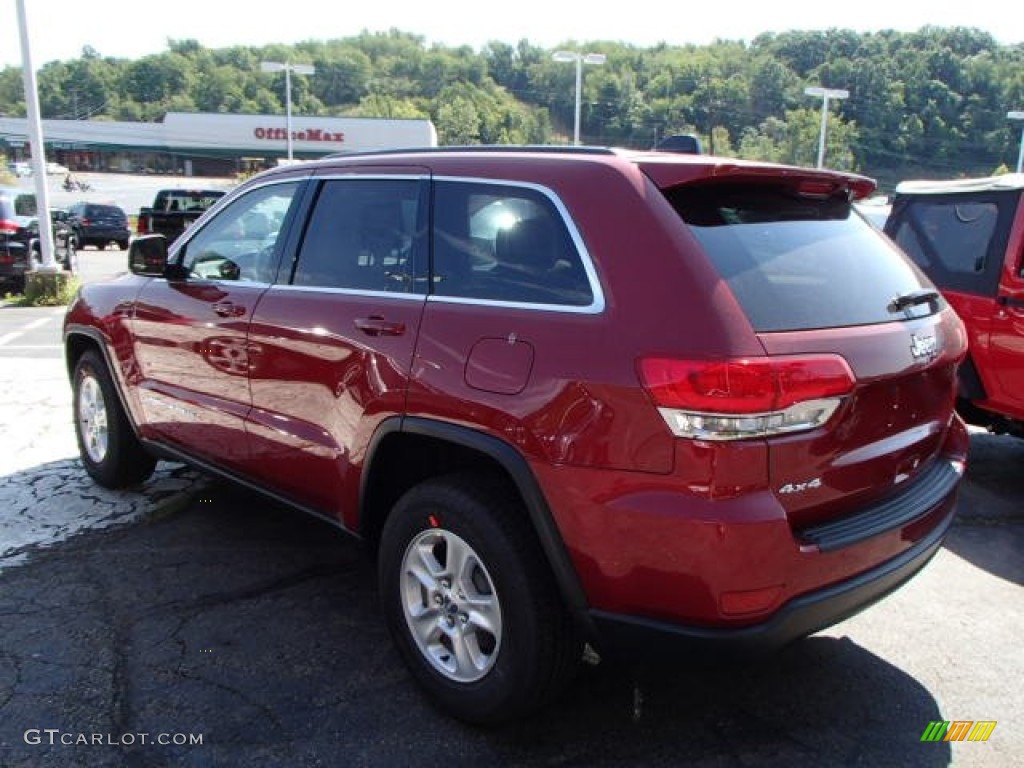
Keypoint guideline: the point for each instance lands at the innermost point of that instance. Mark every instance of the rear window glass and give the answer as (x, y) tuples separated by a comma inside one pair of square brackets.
[(958, 240), (104, 211), (798, 263), (23, 204)]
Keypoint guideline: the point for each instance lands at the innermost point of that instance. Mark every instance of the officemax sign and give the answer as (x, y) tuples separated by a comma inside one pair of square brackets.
[(309, 134)]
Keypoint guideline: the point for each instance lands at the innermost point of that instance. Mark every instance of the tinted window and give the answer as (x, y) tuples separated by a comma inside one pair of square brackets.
[(241, 242), (504, 243), (103, 212), (958, 240), (796, 262), (17, 204), (362, 236)]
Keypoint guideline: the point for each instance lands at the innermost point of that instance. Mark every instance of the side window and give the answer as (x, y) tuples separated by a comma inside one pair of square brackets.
[(362, 236), (240, 242), (504, 243)]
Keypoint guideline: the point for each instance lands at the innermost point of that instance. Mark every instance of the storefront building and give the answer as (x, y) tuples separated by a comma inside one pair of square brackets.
[(207, 144)]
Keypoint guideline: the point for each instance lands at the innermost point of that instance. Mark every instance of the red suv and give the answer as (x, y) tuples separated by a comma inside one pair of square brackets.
[(567, 396), (968, 237)]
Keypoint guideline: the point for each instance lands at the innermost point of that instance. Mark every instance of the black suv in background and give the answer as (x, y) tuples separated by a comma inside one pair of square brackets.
[(99, 225)]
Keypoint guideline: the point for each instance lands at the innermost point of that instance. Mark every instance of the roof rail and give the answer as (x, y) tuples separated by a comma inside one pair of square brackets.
[(525, 148)]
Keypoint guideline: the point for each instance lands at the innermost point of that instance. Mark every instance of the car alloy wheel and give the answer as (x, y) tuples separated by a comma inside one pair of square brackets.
[(451, 606), (92, 418), (110, 450)]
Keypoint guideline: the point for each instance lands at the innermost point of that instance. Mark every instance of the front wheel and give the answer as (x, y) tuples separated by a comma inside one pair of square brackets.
[(471, 602), (110, 451)]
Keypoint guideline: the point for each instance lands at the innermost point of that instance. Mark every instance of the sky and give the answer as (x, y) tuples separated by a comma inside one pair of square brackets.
[(59, 29)]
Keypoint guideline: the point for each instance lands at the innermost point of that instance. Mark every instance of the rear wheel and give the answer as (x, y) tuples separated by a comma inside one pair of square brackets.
[(471, 603), (110, 451)]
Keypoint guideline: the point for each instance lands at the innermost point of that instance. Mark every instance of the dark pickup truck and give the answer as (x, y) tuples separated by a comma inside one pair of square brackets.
[(174, 210)]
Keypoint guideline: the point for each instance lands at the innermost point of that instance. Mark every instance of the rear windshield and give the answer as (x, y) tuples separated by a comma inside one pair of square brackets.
[(104, 212), (24, 204), (187, 200), (798, 263)]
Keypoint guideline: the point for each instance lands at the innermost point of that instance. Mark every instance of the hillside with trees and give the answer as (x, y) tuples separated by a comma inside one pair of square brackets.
[(928, 103)]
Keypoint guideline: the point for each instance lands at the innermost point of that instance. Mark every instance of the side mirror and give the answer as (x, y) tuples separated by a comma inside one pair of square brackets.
[(147, 255)]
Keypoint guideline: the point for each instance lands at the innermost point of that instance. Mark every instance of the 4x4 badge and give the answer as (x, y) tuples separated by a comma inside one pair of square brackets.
[(923, 347)]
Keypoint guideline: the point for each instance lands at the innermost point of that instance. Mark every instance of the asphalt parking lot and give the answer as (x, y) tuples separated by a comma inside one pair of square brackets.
[(190, 609)]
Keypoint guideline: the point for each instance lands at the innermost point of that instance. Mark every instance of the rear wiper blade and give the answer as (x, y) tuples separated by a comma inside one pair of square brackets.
[(912, 299)]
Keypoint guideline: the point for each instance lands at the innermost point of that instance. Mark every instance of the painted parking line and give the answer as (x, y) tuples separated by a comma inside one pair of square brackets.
[(7, 338), (17, 347)]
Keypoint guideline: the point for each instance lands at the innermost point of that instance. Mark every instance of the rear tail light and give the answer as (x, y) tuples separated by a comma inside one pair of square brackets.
[(142, 225), (7, 225), (747, 397)]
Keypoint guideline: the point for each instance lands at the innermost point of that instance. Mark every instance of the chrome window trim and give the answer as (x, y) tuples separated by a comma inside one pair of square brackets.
[(349, 291), (597, 304)]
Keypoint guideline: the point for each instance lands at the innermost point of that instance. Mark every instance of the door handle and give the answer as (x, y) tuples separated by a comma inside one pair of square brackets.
[(228, 309), (375, 325)]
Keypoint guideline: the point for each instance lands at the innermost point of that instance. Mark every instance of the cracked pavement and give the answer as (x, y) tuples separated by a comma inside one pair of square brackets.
[(46, 495)]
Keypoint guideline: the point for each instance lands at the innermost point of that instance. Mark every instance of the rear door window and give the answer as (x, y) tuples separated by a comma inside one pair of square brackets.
[(958, 240), (796, 262)]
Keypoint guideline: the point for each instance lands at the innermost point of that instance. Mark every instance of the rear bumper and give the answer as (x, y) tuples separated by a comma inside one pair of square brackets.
[(801, 616)]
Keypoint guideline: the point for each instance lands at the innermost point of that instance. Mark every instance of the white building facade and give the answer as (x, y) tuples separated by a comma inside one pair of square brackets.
[(208, 144)]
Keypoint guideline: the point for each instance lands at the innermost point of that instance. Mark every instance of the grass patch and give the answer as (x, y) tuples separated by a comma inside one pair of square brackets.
[(49, 289)]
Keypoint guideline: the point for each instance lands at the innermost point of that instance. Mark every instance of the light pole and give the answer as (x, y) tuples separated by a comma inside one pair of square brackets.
[(35, 130), (287, 68), (580, 59), (825, 94), (1020, 155)]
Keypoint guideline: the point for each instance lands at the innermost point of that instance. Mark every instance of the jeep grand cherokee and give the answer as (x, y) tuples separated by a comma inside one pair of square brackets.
[(567, 396)]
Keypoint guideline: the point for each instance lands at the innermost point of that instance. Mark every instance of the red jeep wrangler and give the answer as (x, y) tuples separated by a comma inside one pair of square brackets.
[(968, 236), (565, 395)]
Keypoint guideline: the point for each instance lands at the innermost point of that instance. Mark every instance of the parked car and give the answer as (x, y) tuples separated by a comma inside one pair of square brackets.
[(65, 253), (19, 236), (99, 225), (175, 210), (683, 143), (707, 405), (875, 211), (20, 169), (968, 236), (17, 215)]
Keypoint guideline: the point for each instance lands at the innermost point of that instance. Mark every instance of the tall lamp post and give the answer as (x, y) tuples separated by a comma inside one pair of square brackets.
[(35, 130), (580, 59), (287, 68), (1020, 155), (825, 94)]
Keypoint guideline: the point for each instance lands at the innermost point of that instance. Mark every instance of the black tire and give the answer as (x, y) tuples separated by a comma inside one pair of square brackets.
[(123, 244), (71, 256), (110, 451), (535, 649)]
